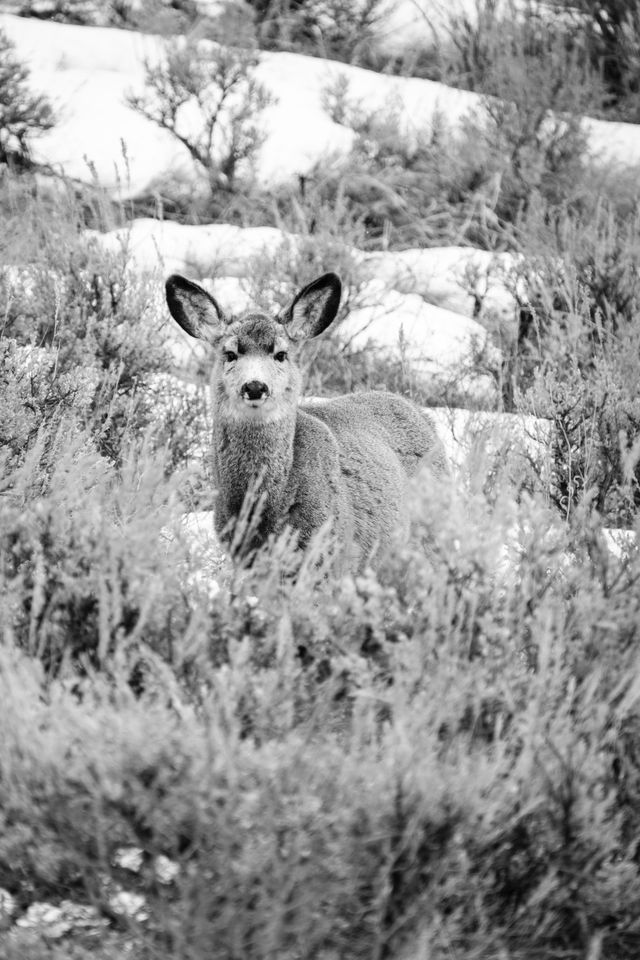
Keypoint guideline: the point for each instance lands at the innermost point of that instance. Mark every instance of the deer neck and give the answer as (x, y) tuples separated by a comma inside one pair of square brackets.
[(254, 456)]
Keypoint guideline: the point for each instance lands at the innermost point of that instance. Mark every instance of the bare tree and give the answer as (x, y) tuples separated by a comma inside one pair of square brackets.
[(23, 114), (218, 82)]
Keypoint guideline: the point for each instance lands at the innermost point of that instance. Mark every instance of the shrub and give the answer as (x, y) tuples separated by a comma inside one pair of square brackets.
[(154, 16), (606, 32), (23, 115), (81, 334), (93, 327), (65, 11), (441, 759), (325, 28), (428, 758), (77, 570), (535, 85), (436, 184), (218, 84), (576, 361), (430, 186), (166, 17), (38, 405)]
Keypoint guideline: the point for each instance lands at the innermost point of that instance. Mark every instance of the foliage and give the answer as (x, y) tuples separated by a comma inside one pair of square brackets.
[(576, 360), (154, 16), (424, 758), (65, 11), (469, 184), (347, 766), (535, 86), (606, 32), (209, 100), (326, 28), (440, 760), (23, 115), (426, 187), (75, 325)]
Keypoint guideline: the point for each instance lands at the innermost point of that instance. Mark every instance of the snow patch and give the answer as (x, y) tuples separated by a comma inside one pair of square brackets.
[(470, 436), (213, 250)]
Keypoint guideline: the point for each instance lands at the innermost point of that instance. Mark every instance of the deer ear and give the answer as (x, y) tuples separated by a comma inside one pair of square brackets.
[(314, 308), (193, 308)]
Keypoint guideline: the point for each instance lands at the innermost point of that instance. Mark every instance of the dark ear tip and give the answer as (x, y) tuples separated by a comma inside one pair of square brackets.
[(333, 280), (174, 285), (175, 280)]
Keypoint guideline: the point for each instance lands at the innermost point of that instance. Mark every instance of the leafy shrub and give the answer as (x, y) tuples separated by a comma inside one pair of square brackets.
[(440, 759), (576, 361), (606, 32), (442, 185), (526, 146), (425, 758), (166, 17), (433, 185), (66, 11), (154, 16), (77, 571), (38, 405), (23, 115), (81, 422), (95, 330), (81, 336), (325, 28)]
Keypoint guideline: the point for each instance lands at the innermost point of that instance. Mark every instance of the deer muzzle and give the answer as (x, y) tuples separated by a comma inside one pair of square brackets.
[(254, 392)]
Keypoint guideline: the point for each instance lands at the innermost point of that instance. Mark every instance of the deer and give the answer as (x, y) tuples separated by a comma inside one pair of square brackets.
[(343, 463)]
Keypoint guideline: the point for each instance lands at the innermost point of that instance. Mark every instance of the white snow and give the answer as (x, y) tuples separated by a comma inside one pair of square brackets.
[(128, 858), (473, 436), (133, 906), (201, 556), (461, 279), (434, 343), (8, 907), (418, 328), (406, 26), (621, 543), (87, 71), (199, 251), (458, 279), (132, 859)]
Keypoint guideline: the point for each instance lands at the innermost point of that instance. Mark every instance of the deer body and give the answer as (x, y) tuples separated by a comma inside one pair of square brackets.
[(344, 463)]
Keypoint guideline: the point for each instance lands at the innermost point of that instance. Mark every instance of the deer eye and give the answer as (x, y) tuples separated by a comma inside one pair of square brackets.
[(230, 356), (280, 356)]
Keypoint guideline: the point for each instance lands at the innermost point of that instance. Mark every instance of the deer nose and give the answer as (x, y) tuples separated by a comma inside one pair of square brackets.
[(255, 390)]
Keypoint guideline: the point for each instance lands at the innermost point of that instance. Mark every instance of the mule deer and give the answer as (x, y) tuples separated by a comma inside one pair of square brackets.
[(343, 462)]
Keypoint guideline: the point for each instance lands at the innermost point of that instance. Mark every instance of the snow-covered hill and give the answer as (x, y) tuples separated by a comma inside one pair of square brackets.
[(88, 71)]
